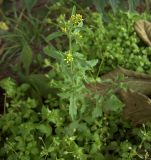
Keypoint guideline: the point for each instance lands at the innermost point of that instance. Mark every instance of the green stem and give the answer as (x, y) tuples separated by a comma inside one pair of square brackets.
[(70, 45), (70, 49), (5, 101), (100, 66)]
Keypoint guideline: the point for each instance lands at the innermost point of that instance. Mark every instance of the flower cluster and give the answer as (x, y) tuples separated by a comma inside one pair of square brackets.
[(69, 57), (67, 26), (64, 29), (3, 26), (76, 19)]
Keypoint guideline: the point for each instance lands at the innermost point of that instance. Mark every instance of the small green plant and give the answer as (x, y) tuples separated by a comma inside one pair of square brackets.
[(72, 65), (115, 43)]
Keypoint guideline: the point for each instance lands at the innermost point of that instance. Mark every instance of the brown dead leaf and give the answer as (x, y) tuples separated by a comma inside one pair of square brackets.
[(143, 29), (137, 103), (137, 106)]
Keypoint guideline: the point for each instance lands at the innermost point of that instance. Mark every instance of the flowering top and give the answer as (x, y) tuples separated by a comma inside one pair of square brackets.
[(69, 57), (76, 19), (3, 26), (64, 29)]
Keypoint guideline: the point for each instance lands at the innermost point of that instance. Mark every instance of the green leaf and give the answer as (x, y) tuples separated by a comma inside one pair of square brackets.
[(112, 103), (29, 4), (73, 107), (54, 117), (99, 156), (9, 86), (26, 56), (69, 130), (100, 5), (45, 112), (114, 5), (46, 129), (73, 10), (53, 36), (97, 112), (51, 149), (92, 63), (40, 83), (52, 52), (132, 4)]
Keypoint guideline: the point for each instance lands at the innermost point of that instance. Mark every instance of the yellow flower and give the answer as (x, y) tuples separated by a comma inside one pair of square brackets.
[(76, 19), (3, 26), (69, 57), (64, 29)]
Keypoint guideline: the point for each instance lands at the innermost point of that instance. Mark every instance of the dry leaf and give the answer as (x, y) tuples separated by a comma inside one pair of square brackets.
[(137, 105), (143, 29)]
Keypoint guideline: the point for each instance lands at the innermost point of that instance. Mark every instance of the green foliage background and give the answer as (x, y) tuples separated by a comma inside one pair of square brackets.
[(48, 111)]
